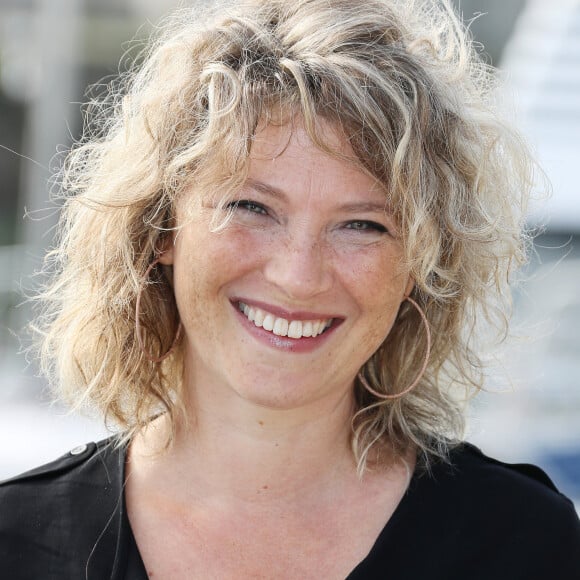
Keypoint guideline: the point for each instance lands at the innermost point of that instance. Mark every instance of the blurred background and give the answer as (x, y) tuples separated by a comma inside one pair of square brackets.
[(51, 50)]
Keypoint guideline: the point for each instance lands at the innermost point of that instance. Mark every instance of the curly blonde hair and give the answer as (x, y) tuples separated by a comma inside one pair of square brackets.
[(403, 83)]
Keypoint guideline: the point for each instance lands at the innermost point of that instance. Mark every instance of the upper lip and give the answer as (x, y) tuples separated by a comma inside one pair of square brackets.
[(284, 313)]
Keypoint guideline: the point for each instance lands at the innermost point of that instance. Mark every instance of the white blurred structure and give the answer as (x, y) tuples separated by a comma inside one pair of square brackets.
[(542, 61), (537, 417)]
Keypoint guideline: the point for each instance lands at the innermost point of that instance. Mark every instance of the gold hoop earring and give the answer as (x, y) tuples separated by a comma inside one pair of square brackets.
[(148, 355), (365, 383)]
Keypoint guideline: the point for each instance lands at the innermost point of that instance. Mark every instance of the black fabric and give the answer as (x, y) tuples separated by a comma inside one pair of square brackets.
[(474, 518), (135, 569), (66, 520)]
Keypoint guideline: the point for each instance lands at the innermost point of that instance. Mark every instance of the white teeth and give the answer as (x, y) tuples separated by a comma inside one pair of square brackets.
[(268, 323), (295, 329), (283, 327), (259, 317)]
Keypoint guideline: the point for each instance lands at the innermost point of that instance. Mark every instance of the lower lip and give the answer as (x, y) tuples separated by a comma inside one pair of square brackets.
[(305, 344)]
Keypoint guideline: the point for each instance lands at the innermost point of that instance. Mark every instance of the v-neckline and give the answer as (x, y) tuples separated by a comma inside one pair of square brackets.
[(132, 566)]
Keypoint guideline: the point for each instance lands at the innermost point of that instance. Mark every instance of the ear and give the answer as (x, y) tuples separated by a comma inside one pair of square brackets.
[(410, 286), (167, 250)]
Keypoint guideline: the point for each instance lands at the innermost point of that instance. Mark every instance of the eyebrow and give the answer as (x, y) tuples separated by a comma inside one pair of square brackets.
[(363, 206), (265, 188)]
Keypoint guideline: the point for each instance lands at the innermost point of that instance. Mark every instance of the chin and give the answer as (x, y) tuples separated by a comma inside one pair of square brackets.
[(279, 397), (275, 401)]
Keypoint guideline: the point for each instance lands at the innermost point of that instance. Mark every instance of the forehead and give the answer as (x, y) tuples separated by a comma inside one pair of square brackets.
[(272, 139), (288, 153)]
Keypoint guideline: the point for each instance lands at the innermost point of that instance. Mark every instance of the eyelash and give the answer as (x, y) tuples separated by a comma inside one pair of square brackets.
[(367, 226), (248, 205)]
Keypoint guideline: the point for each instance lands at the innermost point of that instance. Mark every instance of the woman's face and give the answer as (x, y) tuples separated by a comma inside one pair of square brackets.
[(283, 306)]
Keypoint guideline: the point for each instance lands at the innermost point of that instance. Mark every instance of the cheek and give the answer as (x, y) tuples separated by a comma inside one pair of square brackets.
[(378, 287), (376, 278), (205, 262)]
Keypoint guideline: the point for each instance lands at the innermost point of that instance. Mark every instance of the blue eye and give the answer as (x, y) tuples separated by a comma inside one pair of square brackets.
[(248, 205), (366, 226)]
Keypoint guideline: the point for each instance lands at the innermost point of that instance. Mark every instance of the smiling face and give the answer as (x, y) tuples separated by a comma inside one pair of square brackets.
[(283, 306)]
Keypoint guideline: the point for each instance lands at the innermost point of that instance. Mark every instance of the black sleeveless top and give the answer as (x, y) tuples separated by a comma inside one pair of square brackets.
[(472, 518)]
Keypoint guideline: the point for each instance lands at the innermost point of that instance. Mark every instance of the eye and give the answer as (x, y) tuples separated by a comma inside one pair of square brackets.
[(366, 226), (247, 205)]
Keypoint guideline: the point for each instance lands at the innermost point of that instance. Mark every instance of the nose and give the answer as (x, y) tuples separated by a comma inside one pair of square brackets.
[(300, 266)]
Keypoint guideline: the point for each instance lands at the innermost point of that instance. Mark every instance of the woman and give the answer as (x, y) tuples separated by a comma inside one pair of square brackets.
[(277, 251)]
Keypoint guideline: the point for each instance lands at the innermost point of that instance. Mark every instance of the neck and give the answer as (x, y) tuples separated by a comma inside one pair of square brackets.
[(236, 450)]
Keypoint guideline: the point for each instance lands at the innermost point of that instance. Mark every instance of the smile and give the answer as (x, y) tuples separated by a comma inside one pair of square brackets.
[(281, 326)]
